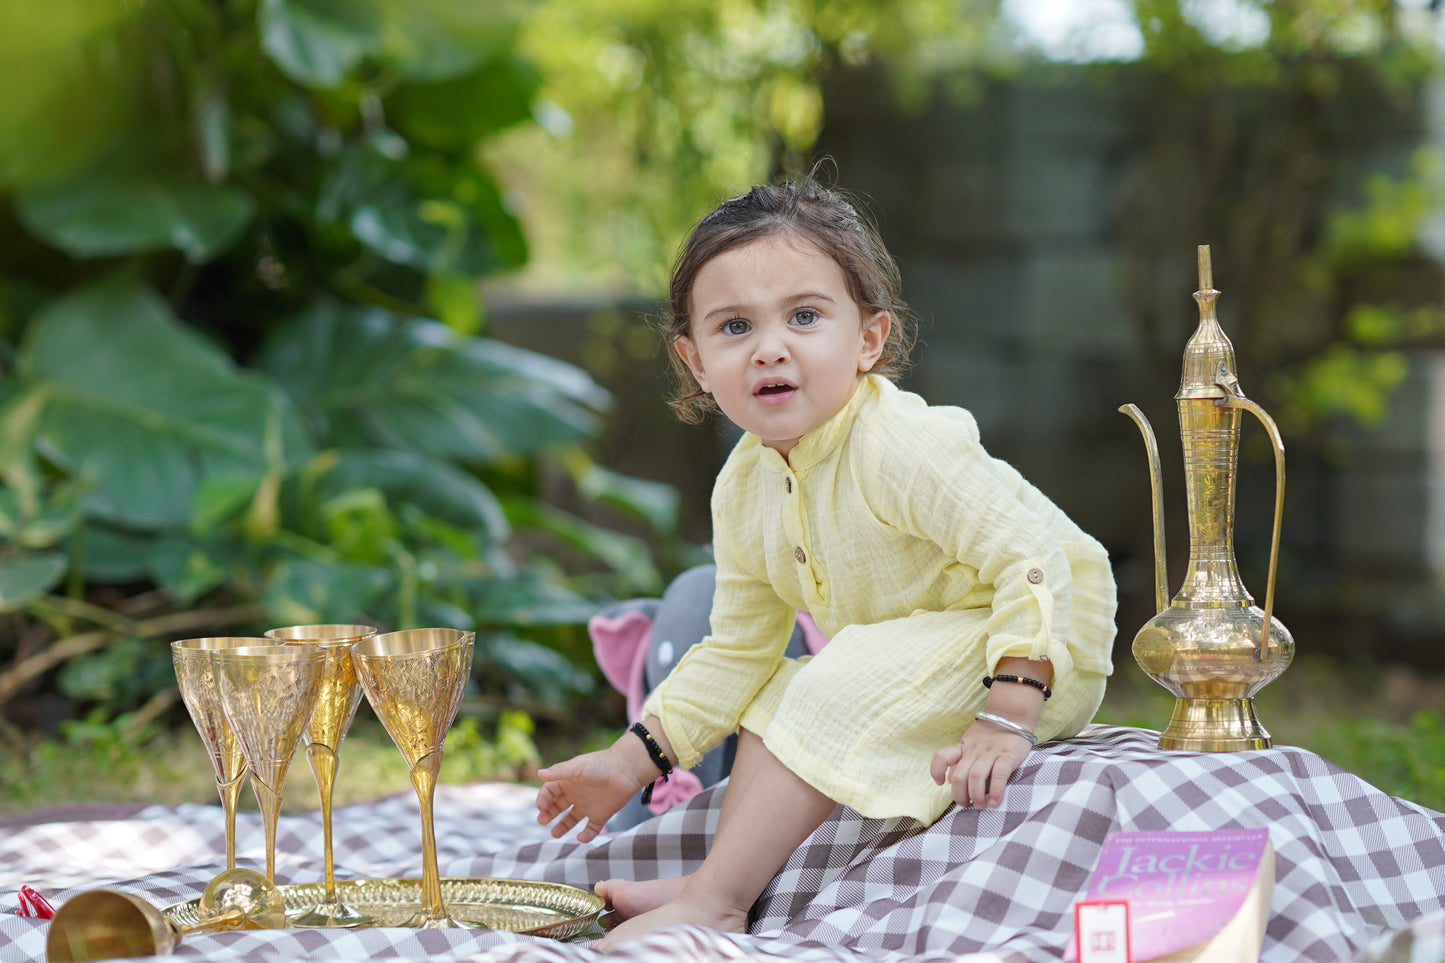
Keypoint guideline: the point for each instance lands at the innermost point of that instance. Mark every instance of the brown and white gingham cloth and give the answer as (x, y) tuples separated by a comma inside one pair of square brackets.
[(1360, 875)]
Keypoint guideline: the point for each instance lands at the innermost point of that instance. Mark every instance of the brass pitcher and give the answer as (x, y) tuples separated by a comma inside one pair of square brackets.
[(1211, 646)]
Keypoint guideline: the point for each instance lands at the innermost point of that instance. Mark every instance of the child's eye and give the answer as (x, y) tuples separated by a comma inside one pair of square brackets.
[(735, 326), (805, 317)]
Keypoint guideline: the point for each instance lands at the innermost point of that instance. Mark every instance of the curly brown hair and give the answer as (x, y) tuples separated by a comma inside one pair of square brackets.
[(819, 215)]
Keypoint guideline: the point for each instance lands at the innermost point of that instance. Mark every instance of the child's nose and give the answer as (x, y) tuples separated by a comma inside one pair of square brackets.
[(772, 348)]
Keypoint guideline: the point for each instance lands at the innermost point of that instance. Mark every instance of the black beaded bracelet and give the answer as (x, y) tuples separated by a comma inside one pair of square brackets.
[(659, 758), (989, 680)]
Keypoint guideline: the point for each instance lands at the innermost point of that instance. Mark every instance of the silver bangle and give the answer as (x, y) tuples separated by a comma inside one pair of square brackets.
[(1010, 725)]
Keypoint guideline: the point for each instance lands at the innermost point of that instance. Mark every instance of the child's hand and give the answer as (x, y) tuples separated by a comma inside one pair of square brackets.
[(979, 766), (591, 786)]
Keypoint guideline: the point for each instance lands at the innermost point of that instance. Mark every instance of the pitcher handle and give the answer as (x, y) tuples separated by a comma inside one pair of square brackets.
[(1235, 398), (1156, 497)]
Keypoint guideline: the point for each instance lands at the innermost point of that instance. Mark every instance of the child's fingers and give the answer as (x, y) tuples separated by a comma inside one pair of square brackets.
[(944, 760), (590, 831), (564, 824), (1002, 770), (978, 783)]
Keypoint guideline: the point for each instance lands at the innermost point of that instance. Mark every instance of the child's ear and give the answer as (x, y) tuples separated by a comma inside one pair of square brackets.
[(875, 336), (687, 351)]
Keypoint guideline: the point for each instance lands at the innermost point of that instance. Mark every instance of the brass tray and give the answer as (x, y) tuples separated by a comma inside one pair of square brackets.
[(529, 907)]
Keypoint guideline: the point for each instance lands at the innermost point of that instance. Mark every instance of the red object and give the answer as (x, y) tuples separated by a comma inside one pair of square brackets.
[(33, 904), (1101, 931)]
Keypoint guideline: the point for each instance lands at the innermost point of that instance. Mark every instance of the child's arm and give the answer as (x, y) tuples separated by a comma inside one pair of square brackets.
[(988, 755), (595, 785)]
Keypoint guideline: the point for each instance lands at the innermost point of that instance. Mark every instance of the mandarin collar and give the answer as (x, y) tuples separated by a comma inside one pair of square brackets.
[(822, 440)]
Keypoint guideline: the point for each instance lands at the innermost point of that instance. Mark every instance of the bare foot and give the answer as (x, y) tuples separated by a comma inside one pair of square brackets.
[(628, 898), (676, 913)]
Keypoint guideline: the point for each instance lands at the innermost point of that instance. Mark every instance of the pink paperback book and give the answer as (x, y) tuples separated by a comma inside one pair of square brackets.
[(1190, 895)]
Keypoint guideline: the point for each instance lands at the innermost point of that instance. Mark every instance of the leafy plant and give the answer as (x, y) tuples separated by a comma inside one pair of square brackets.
[(242, 373), (1406, 760), (650, 113)]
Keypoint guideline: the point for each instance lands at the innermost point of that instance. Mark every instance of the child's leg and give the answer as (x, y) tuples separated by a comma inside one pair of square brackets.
[(767, 813), (631, 898)]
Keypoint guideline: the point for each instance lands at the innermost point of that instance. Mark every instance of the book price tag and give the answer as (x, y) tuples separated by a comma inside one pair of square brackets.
[(1101, 931)]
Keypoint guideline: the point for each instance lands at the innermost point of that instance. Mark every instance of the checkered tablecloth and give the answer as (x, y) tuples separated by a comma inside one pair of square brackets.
[(1360, 875)]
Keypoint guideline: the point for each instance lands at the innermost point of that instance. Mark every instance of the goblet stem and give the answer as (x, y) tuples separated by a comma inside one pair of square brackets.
[(270, 803), (225, 920), (330, 911), (323, 766), (424, 780), (230, 793)]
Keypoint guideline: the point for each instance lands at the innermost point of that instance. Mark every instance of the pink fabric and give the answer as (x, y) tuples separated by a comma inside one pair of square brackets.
[(620, 647), (680, 787), (813, 637)]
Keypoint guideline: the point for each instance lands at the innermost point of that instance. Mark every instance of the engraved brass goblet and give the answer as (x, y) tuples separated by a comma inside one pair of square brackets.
[(104, 924), (336, 702), (268, 693), (197, 682), (414, 681)]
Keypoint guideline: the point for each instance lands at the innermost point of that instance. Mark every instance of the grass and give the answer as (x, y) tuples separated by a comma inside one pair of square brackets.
[(96, 762), (1378, 722)]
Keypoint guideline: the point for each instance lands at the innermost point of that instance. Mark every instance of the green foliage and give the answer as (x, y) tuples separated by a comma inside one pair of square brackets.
[(114, 759), (240, 349), (98, 756), (655, 109), (472, 754), (1251, 144), (1404, 760), (1354, 374)]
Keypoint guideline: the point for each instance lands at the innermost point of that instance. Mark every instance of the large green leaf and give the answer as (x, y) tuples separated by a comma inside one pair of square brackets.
[(654, 502), (108, 216), (42, 521), (366, 379), (184, 568), (435, 40), (528, 600), (318, 42), (625, 554), (26, 577), (458, 113), (124, 672), (439, 489), (144, 408), (545, 671), (303, 591), (115, 555), (433, 217)]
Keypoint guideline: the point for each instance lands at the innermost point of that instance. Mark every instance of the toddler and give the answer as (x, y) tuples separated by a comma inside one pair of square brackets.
[(968, 617)]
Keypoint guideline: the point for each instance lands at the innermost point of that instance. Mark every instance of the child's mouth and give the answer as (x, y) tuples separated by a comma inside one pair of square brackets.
[(774, 393)]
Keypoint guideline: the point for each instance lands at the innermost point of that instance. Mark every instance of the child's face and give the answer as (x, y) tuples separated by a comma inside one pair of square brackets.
[(777, 339)]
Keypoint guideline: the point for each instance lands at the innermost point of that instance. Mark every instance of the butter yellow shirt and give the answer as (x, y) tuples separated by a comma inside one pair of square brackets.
[(924, 560)]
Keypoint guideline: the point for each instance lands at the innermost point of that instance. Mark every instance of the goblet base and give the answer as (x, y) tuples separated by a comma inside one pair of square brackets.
[(421, 921), (331, 914)]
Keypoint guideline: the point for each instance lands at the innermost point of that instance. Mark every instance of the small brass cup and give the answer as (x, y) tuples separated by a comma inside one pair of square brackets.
[(105, 924)]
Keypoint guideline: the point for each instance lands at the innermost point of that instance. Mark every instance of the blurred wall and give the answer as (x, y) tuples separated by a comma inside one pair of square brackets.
[(1004, 214)]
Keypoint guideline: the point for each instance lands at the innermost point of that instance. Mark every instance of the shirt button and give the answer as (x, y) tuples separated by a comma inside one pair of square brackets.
[(800, 555), (790, 485), (1036, 575)]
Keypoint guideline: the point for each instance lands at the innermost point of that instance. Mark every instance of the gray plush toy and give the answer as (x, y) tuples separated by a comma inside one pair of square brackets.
[(638, 642)]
